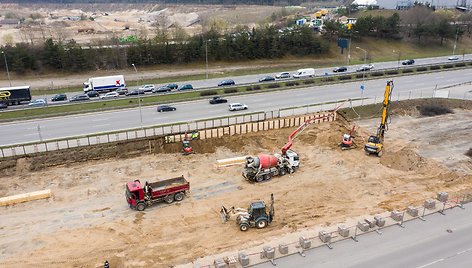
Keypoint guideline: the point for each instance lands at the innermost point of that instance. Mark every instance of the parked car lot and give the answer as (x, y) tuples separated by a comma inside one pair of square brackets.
[(185, 87), (408, 62), (59, 97), (340, 69), (218, 99), (227, 82), (80, 97), (237, 106), (267, 78), (108, 95), (37, 103), (282, 75), (165, 108)]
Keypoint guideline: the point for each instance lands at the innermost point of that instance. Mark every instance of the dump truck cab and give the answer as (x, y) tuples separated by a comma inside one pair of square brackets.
[(134, 193)]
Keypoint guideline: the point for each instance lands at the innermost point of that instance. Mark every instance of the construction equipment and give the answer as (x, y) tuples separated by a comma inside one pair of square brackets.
[(186, 148), (264, 167), (139, 197), (347, 142), (375, 143), (255, 216)]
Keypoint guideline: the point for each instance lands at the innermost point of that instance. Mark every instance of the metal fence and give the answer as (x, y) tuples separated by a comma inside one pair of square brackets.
[(211, 123)]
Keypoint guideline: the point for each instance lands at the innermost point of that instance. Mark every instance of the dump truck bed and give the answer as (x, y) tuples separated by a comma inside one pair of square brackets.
[(169, 186)]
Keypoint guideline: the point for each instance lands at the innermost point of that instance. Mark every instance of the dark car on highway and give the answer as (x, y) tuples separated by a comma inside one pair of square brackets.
[(228, 82), (165, 108), (185, 87), (122, 91), (59, 97), (162, 89), (408, 62), (267, 78), (80, 97), (135, 92), (340, 69), (218, 99), (172, 86), (92, 94)]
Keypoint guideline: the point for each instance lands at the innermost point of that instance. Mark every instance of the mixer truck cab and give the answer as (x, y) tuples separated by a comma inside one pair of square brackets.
[(293, 158)]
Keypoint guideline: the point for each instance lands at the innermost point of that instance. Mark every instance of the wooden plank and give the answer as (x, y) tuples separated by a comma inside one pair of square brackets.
[(231, 161), (20, 198)]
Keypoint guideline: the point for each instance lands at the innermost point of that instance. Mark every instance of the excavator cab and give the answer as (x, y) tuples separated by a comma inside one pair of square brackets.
[(255, 216)]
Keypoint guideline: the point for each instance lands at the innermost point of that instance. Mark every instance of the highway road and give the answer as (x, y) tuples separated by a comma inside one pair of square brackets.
[(440, 241), (66, 126), (250, 79)]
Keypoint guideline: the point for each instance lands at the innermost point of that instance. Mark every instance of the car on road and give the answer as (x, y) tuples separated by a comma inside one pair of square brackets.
[(340, 69), (267, 78), (165, 108), (227, 82), (237, 106), (80, 97), (185, 87), (59, 97), (92, 94), (162, 89), (37, 103), (282, 75), (365, 68), (218, 99), (147, 88), (453, 58), (172, 86), (3, 105), (135, 92), (408, 62), (108, 95), (122, 91)]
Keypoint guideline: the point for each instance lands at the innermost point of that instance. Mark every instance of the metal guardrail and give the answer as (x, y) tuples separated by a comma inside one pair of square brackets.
[(202, 124)]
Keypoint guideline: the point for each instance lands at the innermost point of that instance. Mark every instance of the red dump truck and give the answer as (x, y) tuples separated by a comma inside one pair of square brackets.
[(139, 196)]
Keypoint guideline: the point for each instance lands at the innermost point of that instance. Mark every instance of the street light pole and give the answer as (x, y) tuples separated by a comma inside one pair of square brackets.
[(363, 75), (398, 59), (349, 50), (139, 96), (6, 66), (206, 59)]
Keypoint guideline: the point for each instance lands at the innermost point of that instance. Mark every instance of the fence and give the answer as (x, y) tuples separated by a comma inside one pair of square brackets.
[(178, 129)]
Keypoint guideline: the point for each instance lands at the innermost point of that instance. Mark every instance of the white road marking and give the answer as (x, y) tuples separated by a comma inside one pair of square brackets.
[(431, 263)]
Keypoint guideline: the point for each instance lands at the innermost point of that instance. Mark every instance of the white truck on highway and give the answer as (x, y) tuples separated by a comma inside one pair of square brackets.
[(304, 73), (105, 83)]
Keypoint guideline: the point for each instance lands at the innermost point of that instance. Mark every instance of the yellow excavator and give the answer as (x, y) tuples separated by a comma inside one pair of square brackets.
[(375, 143)]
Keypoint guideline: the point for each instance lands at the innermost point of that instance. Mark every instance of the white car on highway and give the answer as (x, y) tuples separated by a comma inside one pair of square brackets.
[(237, 106), (147, 88), (110, 95)]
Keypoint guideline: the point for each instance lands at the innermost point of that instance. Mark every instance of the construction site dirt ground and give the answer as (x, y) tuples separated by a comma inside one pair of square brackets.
[(88, 220)]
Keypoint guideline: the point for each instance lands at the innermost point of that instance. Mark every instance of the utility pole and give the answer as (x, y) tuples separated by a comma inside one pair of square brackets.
[(206, 59), (363, 75), (6, 66), (139, 96)]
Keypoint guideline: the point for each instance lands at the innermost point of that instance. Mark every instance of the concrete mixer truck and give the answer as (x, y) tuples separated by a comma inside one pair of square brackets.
[(265, 166)]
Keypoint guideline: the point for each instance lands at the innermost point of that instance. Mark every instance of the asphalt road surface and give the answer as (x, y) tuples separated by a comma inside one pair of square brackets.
[(67, 126), (440, 241), (319, 72)]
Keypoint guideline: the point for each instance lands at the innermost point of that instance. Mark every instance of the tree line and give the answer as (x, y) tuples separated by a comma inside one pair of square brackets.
[(261, 43)]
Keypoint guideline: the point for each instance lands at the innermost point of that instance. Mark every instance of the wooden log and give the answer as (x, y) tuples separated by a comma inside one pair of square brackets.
[(20, 198)]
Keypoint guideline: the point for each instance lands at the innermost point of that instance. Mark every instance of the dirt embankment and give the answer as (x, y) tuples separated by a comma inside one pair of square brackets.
[(330, 186)]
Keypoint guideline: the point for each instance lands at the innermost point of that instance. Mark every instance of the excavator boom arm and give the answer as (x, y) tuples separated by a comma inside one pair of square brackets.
[(385, 110)]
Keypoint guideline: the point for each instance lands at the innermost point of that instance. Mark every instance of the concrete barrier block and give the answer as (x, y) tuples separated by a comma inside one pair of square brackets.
[(379, 221), (442, 197), (363, 226), (412, 211), (269, 252), (324, 236), (283, 249), (243, 259), (396, 215), (343, 231), (220, 263), (231, 261), (371, 223), (429, 204), (305, 243)]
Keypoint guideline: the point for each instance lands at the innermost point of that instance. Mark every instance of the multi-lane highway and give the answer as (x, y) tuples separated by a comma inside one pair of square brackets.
[(27, 131), (440, 241), (249, 79)]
